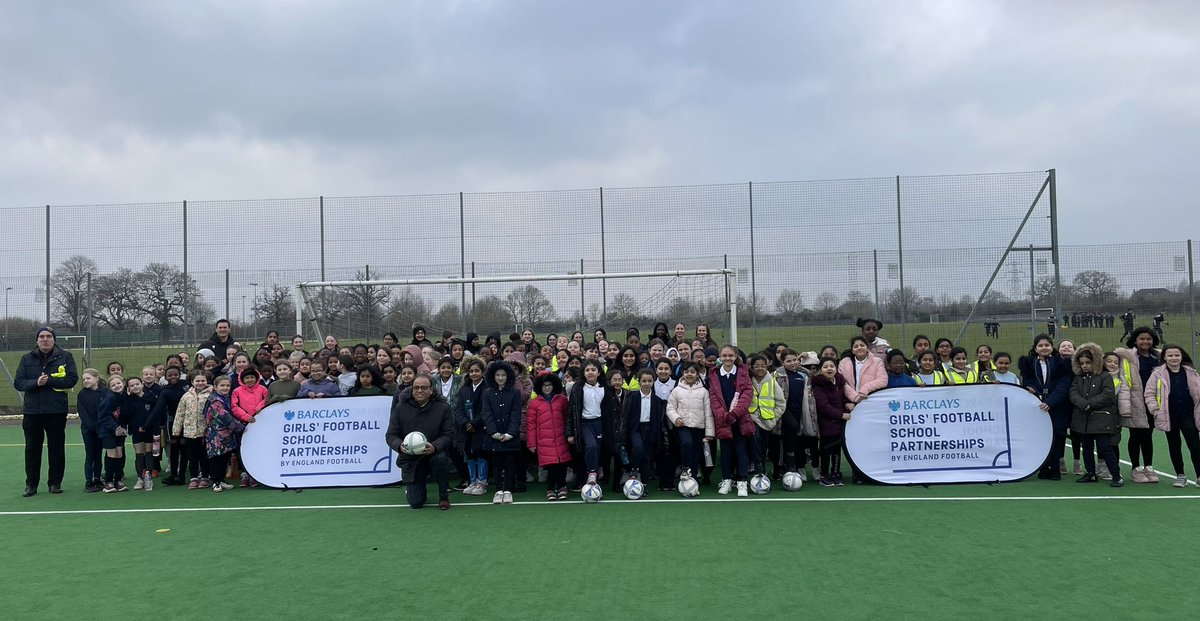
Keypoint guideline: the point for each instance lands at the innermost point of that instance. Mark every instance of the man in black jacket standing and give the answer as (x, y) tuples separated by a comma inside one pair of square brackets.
[(419, 408), (220, 341), (45, 375)]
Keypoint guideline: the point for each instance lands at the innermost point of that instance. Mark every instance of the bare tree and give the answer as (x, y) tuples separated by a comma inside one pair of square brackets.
[(447, 317), (826, 302), (116, 299), (365, 303), (623, 308), (914, 304), (1095, 286), (275, 306), (790, 303), (529, 306), (161, 292), (409, 307), (68, 286), (489, 314)]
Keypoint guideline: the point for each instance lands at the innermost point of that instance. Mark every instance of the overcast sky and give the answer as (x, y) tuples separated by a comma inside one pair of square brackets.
[(147, 101)]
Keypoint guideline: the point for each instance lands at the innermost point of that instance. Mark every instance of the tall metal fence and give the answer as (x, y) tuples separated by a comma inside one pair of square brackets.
[(955, 251)]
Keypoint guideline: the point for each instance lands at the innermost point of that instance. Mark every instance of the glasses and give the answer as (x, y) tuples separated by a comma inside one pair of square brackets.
[(415, 387)]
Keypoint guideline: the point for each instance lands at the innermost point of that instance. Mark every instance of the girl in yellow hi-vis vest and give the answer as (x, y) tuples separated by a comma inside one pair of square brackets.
[(929, 370), (767, 406), (959, 372)]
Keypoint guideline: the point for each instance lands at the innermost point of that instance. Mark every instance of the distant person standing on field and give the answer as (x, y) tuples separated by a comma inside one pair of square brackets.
[(45, 375), (1127, 324)]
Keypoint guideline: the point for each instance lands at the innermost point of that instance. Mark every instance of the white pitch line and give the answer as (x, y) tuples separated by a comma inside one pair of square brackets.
[(543, 503)]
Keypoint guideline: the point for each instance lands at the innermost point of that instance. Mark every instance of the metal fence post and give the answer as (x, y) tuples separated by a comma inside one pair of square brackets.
[(753, 275), (227, 293), (462, 262), (1032, 298), (603, 264), (187, 289), (321, 216), (900, 249), (47, 265), (1054, 244), (1192, 295), (875, 261), (582, 303)]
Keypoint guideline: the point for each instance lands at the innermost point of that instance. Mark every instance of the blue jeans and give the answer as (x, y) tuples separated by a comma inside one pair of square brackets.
[(592, 434), (735, 447)]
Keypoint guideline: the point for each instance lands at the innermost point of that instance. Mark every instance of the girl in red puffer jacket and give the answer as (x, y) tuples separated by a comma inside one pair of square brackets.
[(546, 432)]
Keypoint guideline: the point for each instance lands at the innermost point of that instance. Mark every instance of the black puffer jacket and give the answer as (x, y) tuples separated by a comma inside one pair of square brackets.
[(1093, 396), (59, 364)]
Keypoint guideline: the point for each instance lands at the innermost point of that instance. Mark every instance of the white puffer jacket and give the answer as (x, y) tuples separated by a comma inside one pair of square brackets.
[(691, 403)]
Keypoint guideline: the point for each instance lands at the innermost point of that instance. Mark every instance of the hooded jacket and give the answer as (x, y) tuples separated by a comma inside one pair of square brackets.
[(218, 346), (432, 419), (502, 408), (1158, 394), (830, 397), (418, 357), (739, 409), (59, 364), (1130, 373), (801, 412), (189, 416), (469, 411), (546, 424), (1093, 396), (874, 377), (768, 421), (692, 404)]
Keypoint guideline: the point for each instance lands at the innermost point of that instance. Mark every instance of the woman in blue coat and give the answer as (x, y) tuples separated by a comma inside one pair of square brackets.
[(1048, 377), (502, 427)]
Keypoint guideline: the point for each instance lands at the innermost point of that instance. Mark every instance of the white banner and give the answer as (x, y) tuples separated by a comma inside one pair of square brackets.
[(336, 442), (949, 434)]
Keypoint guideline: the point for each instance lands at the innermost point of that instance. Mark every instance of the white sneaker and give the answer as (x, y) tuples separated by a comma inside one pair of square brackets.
[(498, 498), (141, 483), (1180, 481), (742, 489), (802, 477), (725, 486), (1102, 472), (508, 498), (217, 489), (474, 489)]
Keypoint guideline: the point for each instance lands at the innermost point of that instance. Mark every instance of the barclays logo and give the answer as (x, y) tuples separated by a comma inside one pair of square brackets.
[(289, 415), (894, 406)]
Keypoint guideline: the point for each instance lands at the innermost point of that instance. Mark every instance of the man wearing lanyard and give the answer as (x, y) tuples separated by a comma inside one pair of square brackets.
[(45, 375)]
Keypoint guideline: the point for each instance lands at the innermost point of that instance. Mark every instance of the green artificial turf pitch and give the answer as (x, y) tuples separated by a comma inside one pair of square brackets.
[(1034, 548)]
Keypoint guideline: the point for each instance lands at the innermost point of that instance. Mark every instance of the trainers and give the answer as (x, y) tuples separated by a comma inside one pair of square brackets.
[(217, 488), (1151, 475), (1087, 478), (121, 487), (824, 482), (1138, 476), (245, 482), (141, 483), (498, 498), (725, 486), (508, 498), (1180, 481), (91, 488), (109, 488), (1117, 482), (1076, 467), (528, 477), (838, 480), (802, 476), (1062, 465), (562, 493), (1102, 472), (591, 478), (205, 482), (194, 483), (742, 489)]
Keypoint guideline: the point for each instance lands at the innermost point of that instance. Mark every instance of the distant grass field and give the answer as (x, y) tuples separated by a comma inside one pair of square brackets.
[(1014, 338), (1024, 550)]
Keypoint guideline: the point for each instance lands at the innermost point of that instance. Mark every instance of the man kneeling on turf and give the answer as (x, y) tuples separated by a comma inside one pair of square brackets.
[(419, 408)]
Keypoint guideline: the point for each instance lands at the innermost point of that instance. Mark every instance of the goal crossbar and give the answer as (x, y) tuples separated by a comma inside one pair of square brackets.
[(729, 275)]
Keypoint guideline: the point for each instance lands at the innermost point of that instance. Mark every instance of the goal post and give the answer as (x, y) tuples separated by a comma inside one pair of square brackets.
[(699, 295)]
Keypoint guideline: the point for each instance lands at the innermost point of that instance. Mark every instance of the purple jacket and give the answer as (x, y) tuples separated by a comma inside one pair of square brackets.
[(831, 404)]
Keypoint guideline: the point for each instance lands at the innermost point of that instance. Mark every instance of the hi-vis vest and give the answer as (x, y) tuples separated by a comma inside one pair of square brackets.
[(953, 377), (939, 378), (764, 399)]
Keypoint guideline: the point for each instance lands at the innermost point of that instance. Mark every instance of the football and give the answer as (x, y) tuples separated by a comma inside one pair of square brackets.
[(634, 489), (792, 481), (591, 492), (688, 487), (414, 442), (760, 483)]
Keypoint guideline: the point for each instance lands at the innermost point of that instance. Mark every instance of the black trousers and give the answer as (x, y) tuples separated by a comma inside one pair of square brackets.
[(1141, 446), (50, 429), (416, 490), (556, 477), (642, 444), (217, 466), (1099, 443), (93, 453), (194, 458), (1175, 447)]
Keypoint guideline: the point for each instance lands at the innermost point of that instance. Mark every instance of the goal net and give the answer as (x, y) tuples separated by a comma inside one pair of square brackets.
[(365, 310)]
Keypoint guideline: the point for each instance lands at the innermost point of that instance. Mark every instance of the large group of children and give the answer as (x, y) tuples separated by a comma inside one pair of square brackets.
[(595, 410)]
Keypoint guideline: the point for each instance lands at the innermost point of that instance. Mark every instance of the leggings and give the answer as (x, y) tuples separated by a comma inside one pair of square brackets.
[(1076, 445), (556, 476), (217, 466), (504, 465), (831, 456), (193, 458), (1093, 443), (1175, 448), (93, 450), (1141, 444)]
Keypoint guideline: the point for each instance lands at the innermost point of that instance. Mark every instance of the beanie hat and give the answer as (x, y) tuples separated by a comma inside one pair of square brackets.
[(44, 329)]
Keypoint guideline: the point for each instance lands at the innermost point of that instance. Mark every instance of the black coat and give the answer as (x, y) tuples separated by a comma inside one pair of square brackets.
[(59, 364), (469, 410), (88, 405), (432, 419), (633, 415), (610, 413)]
